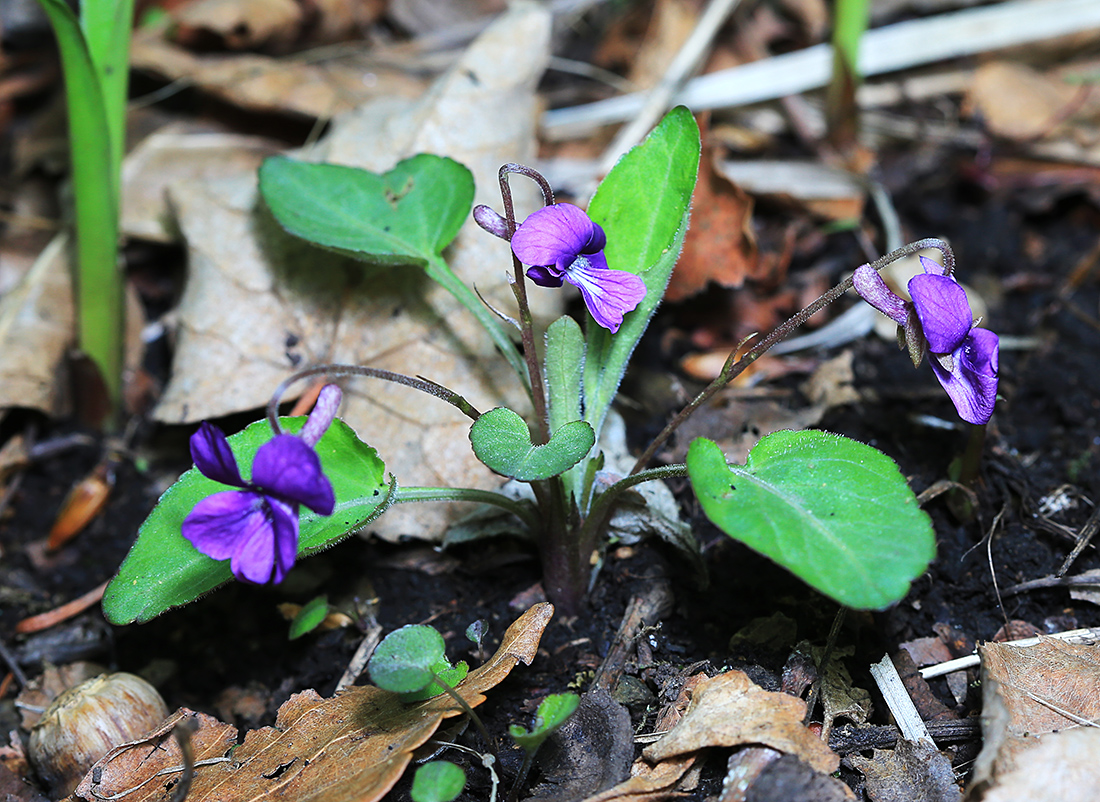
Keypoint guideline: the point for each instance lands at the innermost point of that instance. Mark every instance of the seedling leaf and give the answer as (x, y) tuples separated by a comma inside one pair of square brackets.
[(502, 441), (444, 672), (309, 617), (405, 660), (552, 713), (836, 513), (438, 781)]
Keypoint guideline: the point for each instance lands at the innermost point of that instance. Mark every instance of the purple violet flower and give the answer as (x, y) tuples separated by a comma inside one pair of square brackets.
[(257, 527), (561, 243), (964, 358)]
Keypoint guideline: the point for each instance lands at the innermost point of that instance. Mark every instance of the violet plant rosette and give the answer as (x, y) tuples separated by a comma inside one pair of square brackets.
[(256, 527), (561, 244), (963, 356)]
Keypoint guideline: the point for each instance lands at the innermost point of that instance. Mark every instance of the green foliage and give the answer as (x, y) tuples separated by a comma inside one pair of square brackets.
[(836, 513), (312, 614), (438, 781), (406, 216), (643, 206), (405, 659), (95, 51), (564, 368), (442, 672), (552, 713), (163, 570), (501, 440)]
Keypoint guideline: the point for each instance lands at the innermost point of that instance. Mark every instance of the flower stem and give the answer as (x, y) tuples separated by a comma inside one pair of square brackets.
[(519, 289), (520, 509), (418, 383), (735, 367)]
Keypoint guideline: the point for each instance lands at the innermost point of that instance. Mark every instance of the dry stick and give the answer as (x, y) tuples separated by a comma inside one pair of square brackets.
[(1085, 636), (37, 623), (13, 664), (1084, 537), (659, 98)]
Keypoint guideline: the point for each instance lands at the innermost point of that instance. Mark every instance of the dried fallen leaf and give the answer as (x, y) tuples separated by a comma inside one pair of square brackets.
[(240, 24), (350, 748), (1064, 766), (1018, 102), (913, 771), (259, 304), (720, 246), (1029, 692), (730, 710), (265, 84), (36, 329)]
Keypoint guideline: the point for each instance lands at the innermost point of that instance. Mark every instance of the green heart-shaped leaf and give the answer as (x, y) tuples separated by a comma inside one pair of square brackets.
[(503, 442), (836, 513), (406, 216)]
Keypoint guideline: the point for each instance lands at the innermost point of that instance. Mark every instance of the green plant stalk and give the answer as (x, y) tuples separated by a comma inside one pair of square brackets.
[(94, 55), (849, 25), (406, 495)]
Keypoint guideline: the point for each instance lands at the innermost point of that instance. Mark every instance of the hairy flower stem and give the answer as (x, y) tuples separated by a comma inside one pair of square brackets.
[(735, 367), (419, 383), (519, 289), (520, 509)]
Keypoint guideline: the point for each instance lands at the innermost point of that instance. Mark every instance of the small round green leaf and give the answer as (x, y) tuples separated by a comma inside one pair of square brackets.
[(502, 441), (438, 781), (404, 660), (309, 617), (836, 513), (444, 672)]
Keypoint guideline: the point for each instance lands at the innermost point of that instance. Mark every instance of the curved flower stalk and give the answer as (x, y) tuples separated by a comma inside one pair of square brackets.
[(256, 527), (939, 320), (561, 244)]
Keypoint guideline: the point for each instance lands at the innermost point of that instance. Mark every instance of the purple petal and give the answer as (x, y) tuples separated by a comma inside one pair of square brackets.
[(324, 411), (553, 235), (932, 267), (971, 384), (608, 294), (213, 456), (285, 521), (218, 522), (597, 240), (288, 468), (871, 288), (943, 311), (545, 276)]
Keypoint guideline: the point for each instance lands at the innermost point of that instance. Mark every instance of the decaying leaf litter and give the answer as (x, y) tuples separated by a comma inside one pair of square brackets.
[(999, 157)]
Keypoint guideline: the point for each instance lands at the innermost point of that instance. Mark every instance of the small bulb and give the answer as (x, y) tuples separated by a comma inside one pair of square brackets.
[(85, 722)]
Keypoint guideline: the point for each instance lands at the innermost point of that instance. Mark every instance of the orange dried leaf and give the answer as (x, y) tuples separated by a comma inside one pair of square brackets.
[(350, 748), (84, 502), (720, 245)]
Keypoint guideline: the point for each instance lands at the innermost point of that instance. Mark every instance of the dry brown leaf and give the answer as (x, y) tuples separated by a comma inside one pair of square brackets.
[(1064, 766), (240, 24), (180, 153), (1029, 692), (36, 330), (911, 772), (265, 84), (669, 27), (720, 245), (350, 748), (1021, 103), (649, 783), (731, 710), (259, 304)]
